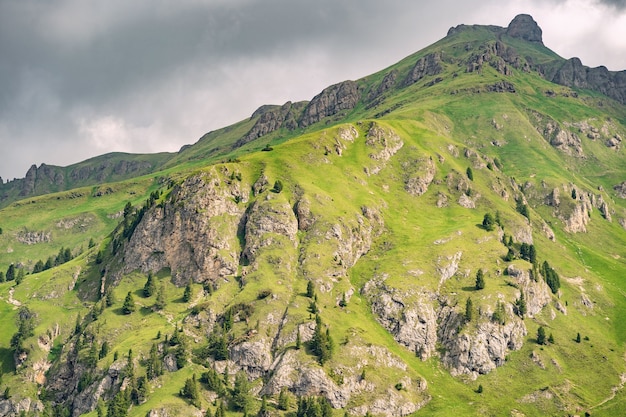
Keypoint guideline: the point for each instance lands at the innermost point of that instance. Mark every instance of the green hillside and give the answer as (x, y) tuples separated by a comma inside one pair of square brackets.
[(446, 236)]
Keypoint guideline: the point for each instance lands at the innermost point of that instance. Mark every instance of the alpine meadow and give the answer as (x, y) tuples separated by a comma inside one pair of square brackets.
[(444, 237)]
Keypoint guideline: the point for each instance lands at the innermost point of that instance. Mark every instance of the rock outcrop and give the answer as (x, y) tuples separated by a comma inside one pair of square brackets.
[(383, 143), (523, 26), (331, 101), (428, 65), (272, 118), (574, 74), (195, 232), (620, 189), (422, 320)]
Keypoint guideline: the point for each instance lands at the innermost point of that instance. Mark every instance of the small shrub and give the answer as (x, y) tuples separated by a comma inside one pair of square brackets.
[(263, 294)]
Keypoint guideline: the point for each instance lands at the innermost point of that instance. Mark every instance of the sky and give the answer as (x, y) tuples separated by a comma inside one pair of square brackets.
[(82, 78)]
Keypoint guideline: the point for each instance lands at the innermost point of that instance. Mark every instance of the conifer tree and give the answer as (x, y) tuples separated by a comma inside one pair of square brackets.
[(150, 287), (541, 336), (129, 304), (480, 280), (469, 310)]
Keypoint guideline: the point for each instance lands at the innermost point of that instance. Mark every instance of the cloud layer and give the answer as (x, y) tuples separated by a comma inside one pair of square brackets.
[(78, 79)]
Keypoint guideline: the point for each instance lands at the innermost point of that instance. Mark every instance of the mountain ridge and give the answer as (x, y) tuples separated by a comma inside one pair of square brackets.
[(444, 236), (340, 97)]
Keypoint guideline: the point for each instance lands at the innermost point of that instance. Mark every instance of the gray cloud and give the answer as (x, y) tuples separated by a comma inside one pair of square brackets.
[(79, 78)]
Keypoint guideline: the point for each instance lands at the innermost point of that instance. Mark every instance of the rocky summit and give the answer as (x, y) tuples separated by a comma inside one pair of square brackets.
[(446, 236)]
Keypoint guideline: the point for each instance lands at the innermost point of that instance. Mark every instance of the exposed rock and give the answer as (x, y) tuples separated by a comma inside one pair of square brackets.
[(523, 26), (387, 83), (255, 358), (303, 214), (331, 101), (32, 238), (418, 175), (428, 65), (564, 140), (384, 143), (260, 184), (413, 326), (194, 233), (442, 200), (536, 293), (620, 189), (523, 234), (574, 74), (272, 118), (268, 223), (467, 202), (501, 87), (547, 231), (482, 350), (603, 207)]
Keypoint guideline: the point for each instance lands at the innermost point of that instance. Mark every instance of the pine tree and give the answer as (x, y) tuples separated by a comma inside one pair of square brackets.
[(150, 287), (160, 302), (188, 293), (190, 391), (264, 410), (520, 303), (541, 336), (578, 337), (470, 174), (321, 344), (480, 280), (10, 275), (283, 399), (469, 310), (488, 222), (298, 339), (551, 339), (242, 398), (129, 304), (154, 365), (310, 289), (104, 350)]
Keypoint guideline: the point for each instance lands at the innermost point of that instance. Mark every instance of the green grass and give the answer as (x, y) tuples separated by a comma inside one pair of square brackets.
[(343, 249)]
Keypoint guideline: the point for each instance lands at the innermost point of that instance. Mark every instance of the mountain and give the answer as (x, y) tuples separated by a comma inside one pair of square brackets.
[(444, 236)]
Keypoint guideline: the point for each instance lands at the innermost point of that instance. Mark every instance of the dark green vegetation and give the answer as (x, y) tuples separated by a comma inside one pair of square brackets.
[(442, 237)]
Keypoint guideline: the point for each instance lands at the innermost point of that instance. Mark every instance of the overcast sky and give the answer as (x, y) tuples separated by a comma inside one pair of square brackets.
[(81, 78)]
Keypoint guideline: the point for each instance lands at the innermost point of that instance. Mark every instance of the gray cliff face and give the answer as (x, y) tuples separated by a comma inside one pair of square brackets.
[(431, 64), (523, 26), (270, 222), (331, 101), (272, 118), (574, 74), (482, 349), (194, 233)]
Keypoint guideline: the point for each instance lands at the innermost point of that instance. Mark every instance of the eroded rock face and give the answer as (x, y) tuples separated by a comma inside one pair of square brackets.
[(418, 175), (332, 100), (482, 350), (254, 358), (562, 139), (272, 118), (431, 64), (523, 26), (194, 233), (536, 293), (384, 143), (270, 222), (574, 74)]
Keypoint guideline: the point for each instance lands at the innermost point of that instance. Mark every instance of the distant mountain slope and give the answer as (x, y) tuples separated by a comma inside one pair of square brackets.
[(444, 237)]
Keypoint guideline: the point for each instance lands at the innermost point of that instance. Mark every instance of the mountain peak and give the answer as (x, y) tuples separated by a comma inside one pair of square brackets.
[(523, 26)]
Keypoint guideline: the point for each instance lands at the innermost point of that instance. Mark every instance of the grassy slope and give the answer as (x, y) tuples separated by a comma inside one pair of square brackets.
[(434, 120)]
